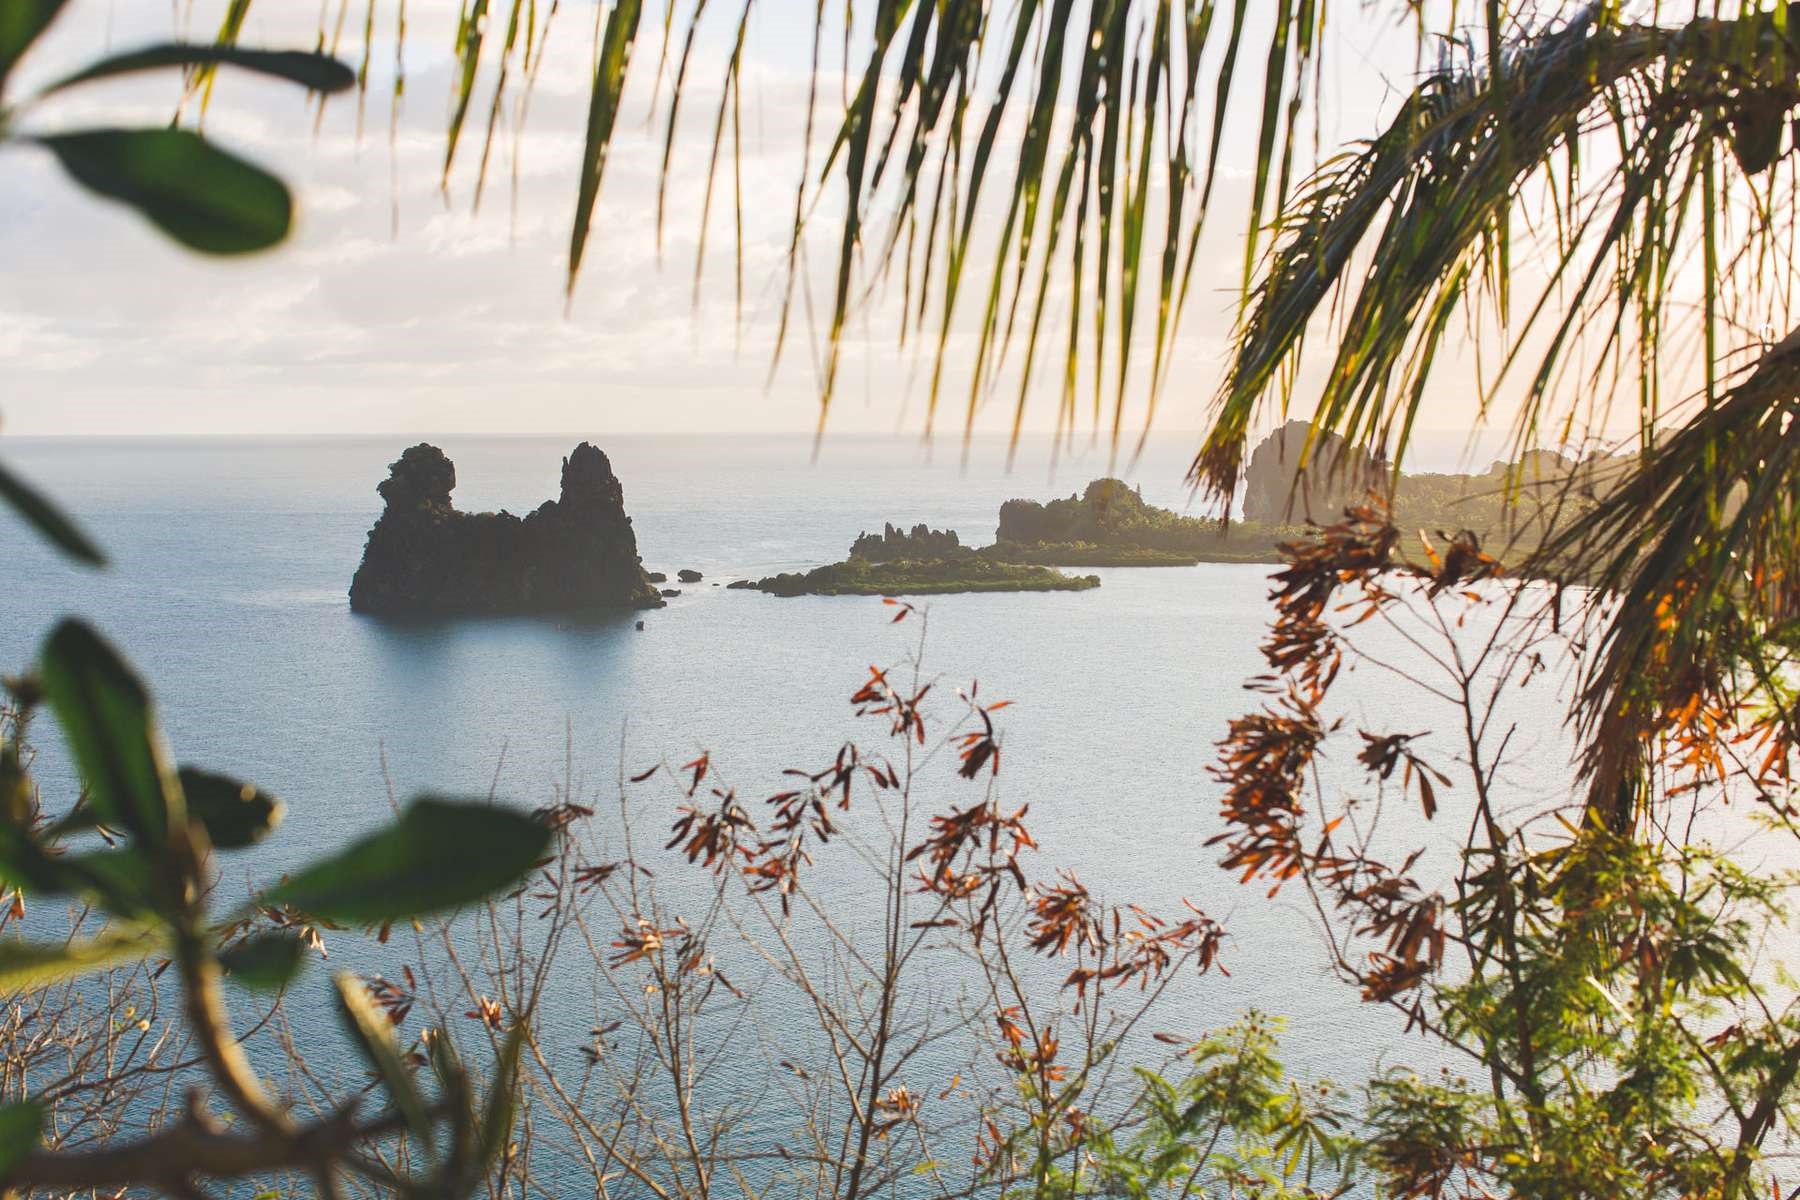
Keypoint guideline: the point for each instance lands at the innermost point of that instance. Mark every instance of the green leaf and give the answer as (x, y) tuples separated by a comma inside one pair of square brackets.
[(106, 715), (264, 962), (316, 72), (439, 855), (49, 522), (603, 112), (374, 1036), (454, 1090), (24, 865), (26, 966), (199, 195), (235, 814), (121, 881), (21, 21), (21, 1125)]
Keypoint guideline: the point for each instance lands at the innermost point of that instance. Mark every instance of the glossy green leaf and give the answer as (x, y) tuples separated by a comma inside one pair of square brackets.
[(21, 21), (106, 715), (236, 814), (203, 197), (264, 962), (21, 1126), (25, 966), (317, 72), (49, 521), (374, 1036), (439, 855)]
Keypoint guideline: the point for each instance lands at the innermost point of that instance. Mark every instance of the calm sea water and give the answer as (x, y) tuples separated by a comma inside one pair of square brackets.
[(232, 558)]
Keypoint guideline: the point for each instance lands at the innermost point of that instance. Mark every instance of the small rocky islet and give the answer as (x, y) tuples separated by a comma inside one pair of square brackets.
[(579, 553), (424, 557)]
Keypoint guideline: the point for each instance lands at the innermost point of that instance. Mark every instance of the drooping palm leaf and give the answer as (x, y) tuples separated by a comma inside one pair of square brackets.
[(920, 142)]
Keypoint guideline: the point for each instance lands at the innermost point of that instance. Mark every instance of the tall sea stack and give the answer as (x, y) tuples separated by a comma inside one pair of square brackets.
[(575, 553), (1277, 491)]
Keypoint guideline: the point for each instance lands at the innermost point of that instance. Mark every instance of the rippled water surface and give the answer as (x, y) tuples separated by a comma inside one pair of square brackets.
[(231, 561)]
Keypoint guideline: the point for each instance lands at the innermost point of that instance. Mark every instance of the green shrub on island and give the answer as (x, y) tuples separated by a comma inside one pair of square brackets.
[(1108, 513), (1086, 554), (966, 571)]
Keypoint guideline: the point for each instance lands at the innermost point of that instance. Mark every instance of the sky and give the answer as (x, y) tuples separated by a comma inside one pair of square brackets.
[(400, 306)]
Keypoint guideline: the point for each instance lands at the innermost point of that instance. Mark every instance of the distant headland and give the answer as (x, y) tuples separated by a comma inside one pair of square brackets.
[(575, 553), (579, 552)]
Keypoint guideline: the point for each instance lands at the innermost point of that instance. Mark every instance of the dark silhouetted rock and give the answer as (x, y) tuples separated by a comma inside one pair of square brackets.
[(689, 575), (657, 577), (671, 592), (575, 552), (741, 585)]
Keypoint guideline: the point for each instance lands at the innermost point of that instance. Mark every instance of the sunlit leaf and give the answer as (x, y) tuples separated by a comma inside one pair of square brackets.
[(374, 1036), (25, 966), (603, 113), (497, 1121)]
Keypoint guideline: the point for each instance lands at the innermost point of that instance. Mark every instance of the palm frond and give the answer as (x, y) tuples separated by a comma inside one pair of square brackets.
[(1697, 552)]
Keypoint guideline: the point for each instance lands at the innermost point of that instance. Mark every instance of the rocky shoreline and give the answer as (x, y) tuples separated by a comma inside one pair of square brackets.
[(579, 553)]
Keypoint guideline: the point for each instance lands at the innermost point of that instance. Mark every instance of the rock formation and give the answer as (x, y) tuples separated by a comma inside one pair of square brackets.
[(424, 557), (893, 544), (1336, 475)]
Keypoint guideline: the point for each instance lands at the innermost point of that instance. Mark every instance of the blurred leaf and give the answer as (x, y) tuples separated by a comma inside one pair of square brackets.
[(235, 814), (264, 962), (439, 854), (199, 195), (316, 72), (106, 715), (21, 1125), (21, 21), (453, 1082), (25, 866), (120, 880), (50, 523), (374, 1036), (497, 1122), (25, 966)]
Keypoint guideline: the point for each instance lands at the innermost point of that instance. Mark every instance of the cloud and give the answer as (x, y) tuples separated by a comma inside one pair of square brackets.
[(400, 306)]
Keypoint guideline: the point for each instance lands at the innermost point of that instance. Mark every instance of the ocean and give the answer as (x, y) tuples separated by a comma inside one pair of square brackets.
[(230, 564)]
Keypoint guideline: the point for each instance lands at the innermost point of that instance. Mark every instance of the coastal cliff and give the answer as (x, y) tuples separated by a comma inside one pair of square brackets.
[(573, 553), (1277, 491)]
